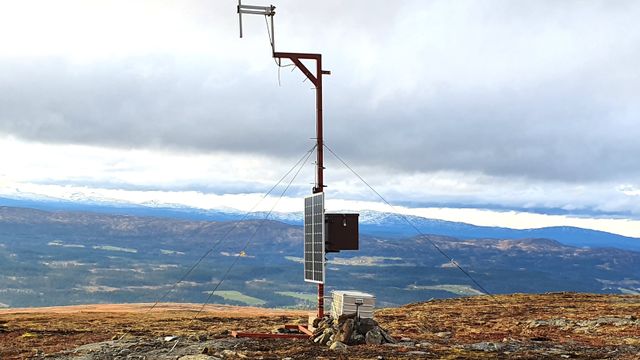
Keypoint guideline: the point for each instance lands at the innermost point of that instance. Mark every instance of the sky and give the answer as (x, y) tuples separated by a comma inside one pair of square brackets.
[(519, 114)]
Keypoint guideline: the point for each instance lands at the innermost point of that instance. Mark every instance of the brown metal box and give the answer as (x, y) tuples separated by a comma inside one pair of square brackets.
[(341, 232)]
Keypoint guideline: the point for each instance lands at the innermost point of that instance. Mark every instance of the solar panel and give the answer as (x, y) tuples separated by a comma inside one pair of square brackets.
[(314, 238)]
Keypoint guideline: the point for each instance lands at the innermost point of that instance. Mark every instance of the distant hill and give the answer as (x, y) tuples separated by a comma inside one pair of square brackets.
[(76, 257), (371, 222)]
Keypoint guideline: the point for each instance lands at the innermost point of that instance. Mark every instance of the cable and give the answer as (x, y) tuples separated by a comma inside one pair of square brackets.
[(302, 160), (422, 235), (278, 61), (211, 293), (271, 39), (305, 156)]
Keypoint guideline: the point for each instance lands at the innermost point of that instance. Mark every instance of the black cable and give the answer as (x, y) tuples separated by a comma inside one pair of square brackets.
[(302, 160), (269, 33), (422, 235), (271, 41), (211, 293)]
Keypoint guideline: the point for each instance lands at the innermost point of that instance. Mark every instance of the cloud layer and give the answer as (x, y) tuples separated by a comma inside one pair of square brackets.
[(538, 94)]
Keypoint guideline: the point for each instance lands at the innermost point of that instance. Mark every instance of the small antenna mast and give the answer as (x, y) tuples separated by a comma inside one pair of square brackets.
[(258, 10), (316, 79)]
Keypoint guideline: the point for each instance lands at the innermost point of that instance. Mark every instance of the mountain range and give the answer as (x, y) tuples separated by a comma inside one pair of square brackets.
[(385, 224), (60, 257)]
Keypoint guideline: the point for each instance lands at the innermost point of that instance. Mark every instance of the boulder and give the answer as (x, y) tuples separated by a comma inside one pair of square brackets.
[(366, 325), (374, 337), (388, 338), (443, 334), (348, 330), (356, 338), (230, 354), (344, 334), (198, 337), (342, 318), (320, 326), (616, 321), (418, 353), (316, 322), (487, 346), (338, 346), (197, 357), (325, 337)]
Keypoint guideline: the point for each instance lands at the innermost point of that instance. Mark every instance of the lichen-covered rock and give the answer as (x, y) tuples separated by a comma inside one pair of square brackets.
[(197, 357), (230, 354), (345, 331), (387, 338), (374, 337), (487, 346), (342, 318), (349, 330), (338, 346), (365, 325), (356, 338), (443, 334), (325, 337)]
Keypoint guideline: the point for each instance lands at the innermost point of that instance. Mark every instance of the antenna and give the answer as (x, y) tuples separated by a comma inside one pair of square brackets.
[(258, 10), (315, 217)]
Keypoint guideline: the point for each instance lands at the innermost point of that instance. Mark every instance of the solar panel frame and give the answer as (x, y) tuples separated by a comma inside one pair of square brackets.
[(314, 237)]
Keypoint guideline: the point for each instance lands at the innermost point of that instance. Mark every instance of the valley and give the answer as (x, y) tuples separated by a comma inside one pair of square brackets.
[(50, 258)]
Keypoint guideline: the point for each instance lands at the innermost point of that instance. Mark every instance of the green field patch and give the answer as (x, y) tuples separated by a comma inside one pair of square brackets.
[(298, 295), (115, 248), (233, 295), (463, 290)]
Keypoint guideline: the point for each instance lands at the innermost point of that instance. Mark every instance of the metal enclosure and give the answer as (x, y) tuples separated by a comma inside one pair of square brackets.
[(341, 232), (350, 302)]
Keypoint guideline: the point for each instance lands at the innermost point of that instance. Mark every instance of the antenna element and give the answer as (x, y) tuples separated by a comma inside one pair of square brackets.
[(258, 10)]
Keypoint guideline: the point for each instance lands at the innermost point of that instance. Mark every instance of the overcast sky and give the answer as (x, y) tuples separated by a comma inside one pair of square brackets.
[(529, 106)]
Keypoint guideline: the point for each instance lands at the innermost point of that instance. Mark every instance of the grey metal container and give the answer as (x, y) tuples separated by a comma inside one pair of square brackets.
[(346, 302)]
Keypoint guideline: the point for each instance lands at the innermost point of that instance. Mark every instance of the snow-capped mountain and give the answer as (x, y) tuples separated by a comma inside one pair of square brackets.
[(386, 224)]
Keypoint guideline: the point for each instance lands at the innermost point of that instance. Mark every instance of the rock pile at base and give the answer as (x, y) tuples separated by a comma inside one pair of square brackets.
[(337, 333)]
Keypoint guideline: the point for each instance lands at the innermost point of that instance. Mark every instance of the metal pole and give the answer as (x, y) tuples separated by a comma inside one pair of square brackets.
[(317, 81), (319, 149), (319, 161), (273, 34), (240, 18)]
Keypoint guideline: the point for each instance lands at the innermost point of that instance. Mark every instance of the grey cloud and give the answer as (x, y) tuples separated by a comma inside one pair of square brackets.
[(544, 91), (556, 131), (178, 106)]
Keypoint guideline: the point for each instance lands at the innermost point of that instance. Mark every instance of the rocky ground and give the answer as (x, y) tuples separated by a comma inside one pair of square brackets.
[(548, 326)]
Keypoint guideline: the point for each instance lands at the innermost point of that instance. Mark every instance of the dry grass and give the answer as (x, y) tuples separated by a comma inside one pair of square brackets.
[(447, 326)]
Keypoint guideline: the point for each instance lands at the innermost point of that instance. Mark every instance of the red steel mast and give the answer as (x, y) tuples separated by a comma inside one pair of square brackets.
[(316, 79)]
